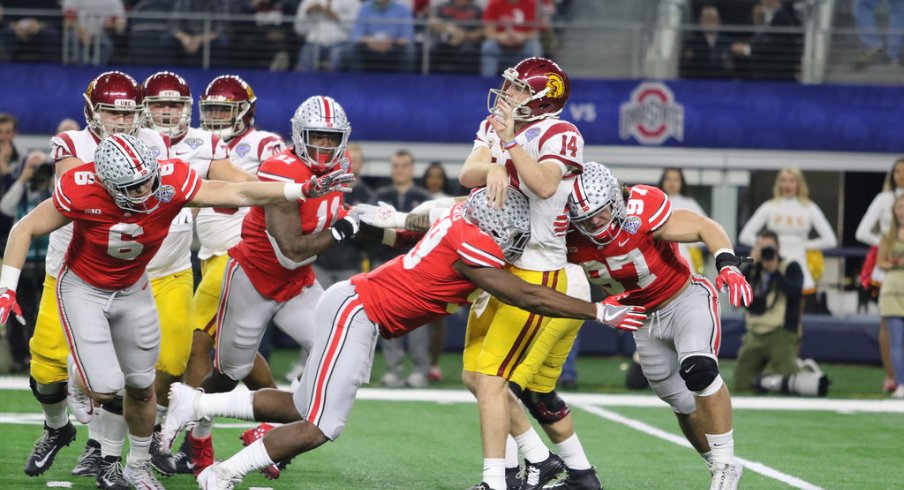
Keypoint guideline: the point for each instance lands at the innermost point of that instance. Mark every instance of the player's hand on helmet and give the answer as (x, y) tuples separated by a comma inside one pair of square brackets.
[(346, 227), (9, 305), (739, 291), (497, 185), (382, 215), (337, 180), (613, 313)]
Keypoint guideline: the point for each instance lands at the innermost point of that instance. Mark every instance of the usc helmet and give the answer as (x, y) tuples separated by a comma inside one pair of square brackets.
[(594, 191), (117, 92), (165, 86), (232, 95), (123, 164), (546, 84), (320, 114)]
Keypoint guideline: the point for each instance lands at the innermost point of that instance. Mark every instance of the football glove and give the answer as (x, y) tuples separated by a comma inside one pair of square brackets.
[(739, 291), (345, 228), (9, 305), (612, 313), (382, 216), (337, 180)]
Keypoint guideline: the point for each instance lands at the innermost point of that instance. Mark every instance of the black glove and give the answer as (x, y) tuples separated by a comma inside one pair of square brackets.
[(345, 228)]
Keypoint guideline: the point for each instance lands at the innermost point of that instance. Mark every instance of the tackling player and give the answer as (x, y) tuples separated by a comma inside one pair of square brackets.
[(628, 244), (464, 250), (121, 207)]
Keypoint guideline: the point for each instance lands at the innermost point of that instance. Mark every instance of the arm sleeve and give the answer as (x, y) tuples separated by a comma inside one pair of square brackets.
[(826, 236), (477, 249), (867, 231), (657, 208), (269, 146), (61, 146), (10, 202), (754, 225), (62, 194), (191, 182), (481, 138)]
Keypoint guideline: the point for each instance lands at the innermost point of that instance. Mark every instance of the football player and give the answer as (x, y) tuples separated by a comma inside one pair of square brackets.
[(121, 207), (269, 277), (167, 104), (464, 250), (112, 105), (628, 244), (523, 143)]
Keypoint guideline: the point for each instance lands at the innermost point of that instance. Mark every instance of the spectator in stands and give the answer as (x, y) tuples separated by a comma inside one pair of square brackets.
[(187, 36), (771, 55), (10, 158), (383, 37), (404, 195), (867, 29), (265, 41), (511, 32), (456, 36), (792, 215), (773, 326), (891, 295), (876, 223), (707, 51), (30, 37), (674, 185), (325, 25), (89, 27)]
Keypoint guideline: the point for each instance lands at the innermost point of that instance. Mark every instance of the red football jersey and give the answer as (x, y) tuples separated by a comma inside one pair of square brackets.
[(416, 288), (651, 270), (273, 274), (111, 247)]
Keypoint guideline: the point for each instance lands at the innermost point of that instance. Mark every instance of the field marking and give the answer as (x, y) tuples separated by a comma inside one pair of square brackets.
[(681, 441), (59, 484)]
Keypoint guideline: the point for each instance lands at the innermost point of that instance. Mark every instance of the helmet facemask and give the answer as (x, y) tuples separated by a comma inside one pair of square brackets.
[(520, 110), (320, 158), (600, 232), (107, 119), (596, 205), (163, 114), (226, 127), (128, 200), (130, 173)]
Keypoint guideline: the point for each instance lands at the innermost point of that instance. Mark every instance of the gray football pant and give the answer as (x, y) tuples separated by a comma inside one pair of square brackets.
[(244, 314), (114, 336), (340, 360)]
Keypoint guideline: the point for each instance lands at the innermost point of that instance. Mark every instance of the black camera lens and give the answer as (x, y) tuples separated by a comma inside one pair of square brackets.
[(768, 253)]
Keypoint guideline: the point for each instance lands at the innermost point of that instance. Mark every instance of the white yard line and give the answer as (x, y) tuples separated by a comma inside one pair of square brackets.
[(667, 436)]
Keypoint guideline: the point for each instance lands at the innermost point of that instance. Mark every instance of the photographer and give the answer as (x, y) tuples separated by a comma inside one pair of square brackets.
[(773, 326)]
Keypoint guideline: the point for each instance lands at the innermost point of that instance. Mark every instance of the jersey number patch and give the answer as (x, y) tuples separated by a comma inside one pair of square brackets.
[(569, 144), (427, 244), (120, 244), (601, 274)]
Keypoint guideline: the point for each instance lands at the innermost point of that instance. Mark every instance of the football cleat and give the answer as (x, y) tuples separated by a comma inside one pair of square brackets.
[(726, 476), (161, 459), (214, 479), (578, 480), (47, 447), (182, 459), (514, 477), (251, 435), (88, 464), (536, 475), (435, 374), (181, 412), (110, 475), (139, 474), (481, 486), (201, 452)]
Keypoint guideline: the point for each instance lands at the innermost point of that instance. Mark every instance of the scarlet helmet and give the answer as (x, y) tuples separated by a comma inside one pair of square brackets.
[(124, 164), (597, 190), (112, 91), (546, 84), (230, 94), (320, 114), (166, 87)]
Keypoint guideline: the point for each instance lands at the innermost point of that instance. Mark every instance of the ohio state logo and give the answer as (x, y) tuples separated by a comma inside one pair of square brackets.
[(652, 115)]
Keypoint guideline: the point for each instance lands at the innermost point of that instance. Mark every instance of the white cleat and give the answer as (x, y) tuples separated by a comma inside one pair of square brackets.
[(726, 476), (180, 414), (80, 404), (212, 478), (140, 476)]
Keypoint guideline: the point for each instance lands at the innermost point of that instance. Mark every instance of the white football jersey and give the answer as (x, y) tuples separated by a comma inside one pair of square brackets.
[(81, 144), (198, 148), (221, 229), (547, 139)]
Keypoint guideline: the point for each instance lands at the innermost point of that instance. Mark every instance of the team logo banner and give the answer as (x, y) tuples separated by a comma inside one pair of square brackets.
[(652, 115)]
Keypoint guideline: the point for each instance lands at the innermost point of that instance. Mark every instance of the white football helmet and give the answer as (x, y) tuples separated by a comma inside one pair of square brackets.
[(320, 114), (509, 225), (124, 165), (597, 190)]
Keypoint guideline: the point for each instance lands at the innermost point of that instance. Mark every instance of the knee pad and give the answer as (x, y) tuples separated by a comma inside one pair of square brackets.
[(547, 408), (114, 405), (53, 393), (701, 374)]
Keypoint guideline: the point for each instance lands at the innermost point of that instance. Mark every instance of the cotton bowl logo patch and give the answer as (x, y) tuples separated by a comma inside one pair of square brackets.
[(194, 143), (631, 225), (242, 150), (531, 133), (651, 115), (166, 193), (556, 86), (155, 151)]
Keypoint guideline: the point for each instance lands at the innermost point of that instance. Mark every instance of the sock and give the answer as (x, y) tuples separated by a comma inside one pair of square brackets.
[(708, 457), (139, 449), (253, 457), (234, 404), (95, 428), (511, 452), (722, 447), (203, 429), (55, 414), (532, 446), (160, 414), (494, 473), (572, 453), (114, 433)]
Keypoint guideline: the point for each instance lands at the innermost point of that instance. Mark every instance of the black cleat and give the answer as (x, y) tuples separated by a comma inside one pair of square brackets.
[(513, 478), (47, 447), (536, 475), (481, 486), (110, 475), (161, 459), (88, 463), (182, 459), (579, 480)]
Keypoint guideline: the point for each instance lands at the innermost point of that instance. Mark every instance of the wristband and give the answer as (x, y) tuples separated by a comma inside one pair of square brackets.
[(508, 145), (725, 257), (389, 237), (293, 192), (9, 277)]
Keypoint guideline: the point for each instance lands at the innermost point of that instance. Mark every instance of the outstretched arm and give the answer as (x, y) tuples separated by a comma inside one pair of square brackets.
[(235, 195), (686, 226), (40, 221)]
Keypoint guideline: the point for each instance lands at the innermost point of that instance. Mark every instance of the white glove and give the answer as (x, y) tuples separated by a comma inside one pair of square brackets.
[(382, 216)]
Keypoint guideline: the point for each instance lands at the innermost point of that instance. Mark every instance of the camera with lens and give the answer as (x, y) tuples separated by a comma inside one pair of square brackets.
[(768, 253)]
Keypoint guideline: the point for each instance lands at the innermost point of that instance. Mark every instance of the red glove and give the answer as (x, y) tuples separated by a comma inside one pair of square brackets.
[(616, 315), (9, 305), (739, 291), (337, 180)]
